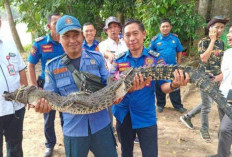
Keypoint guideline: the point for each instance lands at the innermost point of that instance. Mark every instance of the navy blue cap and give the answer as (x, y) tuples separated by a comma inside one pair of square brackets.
[(67, 23)]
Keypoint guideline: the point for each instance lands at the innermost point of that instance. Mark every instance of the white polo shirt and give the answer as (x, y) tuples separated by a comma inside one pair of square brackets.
[(10, 65), (112, 46), (226, 69)]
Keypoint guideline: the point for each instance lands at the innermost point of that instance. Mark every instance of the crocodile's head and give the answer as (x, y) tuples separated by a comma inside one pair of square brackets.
[(9, 96), (18, 95)]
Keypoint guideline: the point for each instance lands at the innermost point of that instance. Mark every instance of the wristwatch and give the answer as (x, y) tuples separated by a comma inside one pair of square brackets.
[(174, 89)]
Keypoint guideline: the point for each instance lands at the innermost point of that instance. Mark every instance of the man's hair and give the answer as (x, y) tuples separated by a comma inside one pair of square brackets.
[(165, 20), (87, 24), (131, 21), (49, 18)]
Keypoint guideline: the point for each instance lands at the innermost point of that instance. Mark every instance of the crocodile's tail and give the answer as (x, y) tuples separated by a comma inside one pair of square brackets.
[(197, 77)]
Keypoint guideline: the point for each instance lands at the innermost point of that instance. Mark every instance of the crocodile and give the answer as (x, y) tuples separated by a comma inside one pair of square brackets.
[(117, 87)]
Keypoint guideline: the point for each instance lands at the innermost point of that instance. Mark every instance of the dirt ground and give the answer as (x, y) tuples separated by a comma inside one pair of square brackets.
[(174, 138)]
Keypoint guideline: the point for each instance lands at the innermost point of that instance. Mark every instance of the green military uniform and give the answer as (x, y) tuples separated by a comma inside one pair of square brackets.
[(214, 63)]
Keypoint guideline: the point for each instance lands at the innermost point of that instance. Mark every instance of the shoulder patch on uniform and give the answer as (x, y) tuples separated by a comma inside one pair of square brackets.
[(120, 55), (154, 53), (92, 51), (155, 37), (53, 59), (175, 34), (39, 39)]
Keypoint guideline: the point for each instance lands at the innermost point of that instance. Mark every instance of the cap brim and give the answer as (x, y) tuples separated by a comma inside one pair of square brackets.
[(106, 27), (213, 21), (69, 28)]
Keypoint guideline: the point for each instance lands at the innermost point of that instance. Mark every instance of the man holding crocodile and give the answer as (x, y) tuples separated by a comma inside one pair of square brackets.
[(92, 131), (87, 131), (136, 112)]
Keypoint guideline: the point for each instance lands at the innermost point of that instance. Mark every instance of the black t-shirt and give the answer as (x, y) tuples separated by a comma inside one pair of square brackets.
[(76, 63)]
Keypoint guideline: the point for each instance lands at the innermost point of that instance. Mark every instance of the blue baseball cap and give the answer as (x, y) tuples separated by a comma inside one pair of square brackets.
[(67, 23)]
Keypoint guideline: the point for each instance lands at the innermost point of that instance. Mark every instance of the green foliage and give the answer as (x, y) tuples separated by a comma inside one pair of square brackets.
[(183, 17), (34, 12), (224, 37), (27, 48)]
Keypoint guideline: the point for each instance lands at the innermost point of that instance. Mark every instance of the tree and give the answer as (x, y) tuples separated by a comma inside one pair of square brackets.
[(12, 26), (182, 15)]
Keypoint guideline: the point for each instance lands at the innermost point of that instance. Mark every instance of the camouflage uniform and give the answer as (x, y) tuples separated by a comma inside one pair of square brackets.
[(213, 67), (214, 62)]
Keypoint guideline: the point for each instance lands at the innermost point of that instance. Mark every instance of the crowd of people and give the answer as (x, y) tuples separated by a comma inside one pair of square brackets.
[(69, 49)]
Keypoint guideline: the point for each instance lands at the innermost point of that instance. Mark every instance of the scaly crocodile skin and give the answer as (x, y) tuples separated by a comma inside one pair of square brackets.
[(84, 103)]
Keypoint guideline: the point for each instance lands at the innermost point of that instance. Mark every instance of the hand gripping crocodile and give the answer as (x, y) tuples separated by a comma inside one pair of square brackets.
[(85, 103)]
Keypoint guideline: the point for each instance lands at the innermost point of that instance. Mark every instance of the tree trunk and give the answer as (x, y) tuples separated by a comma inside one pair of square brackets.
[(222, 7), (204, 9), (12, 27)]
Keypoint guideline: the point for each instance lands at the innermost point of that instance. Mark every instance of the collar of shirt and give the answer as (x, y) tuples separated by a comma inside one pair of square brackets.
[(84, 54), (86, 44), (111, 41), (164, 37), (144, 53), (95, 42), (50, 40)]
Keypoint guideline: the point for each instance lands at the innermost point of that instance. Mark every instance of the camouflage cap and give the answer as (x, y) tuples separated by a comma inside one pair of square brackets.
[(217, 19)]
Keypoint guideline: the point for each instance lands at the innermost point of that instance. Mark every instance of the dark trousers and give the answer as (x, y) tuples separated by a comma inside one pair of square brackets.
[(102, 144), (49, 128), (147, 138), (161, 97), (11, 126)]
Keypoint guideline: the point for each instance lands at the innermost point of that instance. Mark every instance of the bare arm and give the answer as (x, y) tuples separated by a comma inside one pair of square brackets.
[(109, 55), (23, 78), (178, 56), (181, 79), (218, 78), (32, 74)]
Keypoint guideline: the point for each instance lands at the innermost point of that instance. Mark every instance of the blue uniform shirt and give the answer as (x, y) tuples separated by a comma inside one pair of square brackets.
[(44, 49), (93, 47), (140, 103), (59, 79), (167, 46)]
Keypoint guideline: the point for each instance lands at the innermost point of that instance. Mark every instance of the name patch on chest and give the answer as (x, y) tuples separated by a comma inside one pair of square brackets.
[(60, 70), (123, 66), (47, 48)]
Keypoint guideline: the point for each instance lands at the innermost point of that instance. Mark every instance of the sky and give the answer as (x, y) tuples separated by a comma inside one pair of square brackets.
[(25, 37)]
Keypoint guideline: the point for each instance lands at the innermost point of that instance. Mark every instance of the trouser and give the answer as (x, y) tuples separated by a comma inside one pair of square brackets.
[(147, 138), (225, 135), (111, 115), (204, 108), (49, 128), (102, 144), (11, 126), (174, 97)]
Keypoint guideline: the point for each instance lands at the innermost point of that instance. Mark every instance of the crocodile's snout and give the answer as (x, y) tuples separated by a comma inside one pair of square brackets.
[(8, 96)]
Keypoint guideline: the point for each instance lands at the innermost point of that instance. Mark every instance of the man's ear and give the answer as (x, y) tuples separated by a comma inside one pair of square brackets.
[(145, 34), (49, 26)]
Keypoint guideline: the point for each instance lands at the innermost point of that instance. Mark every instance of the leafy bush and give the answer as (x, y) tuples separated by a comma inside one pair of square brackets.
[(183, 16), (27, 48)]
